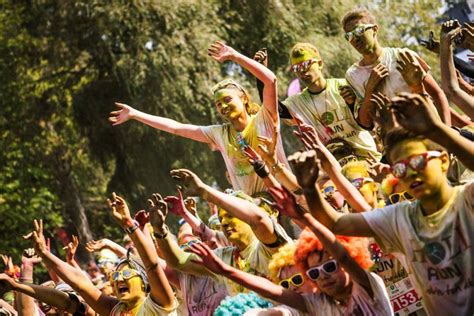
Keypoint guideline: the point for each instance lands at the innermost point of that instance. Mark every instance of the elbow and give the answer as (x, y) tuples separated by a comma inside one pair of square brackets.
[(271, 80)]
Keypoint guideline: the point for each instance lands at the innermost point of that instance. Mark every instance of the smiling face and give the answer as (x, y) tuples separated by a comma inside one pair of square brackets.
[(311, 74), (367, 42), (426, 183), (235, 230), (131, 290), (331, 284), (230, 103)]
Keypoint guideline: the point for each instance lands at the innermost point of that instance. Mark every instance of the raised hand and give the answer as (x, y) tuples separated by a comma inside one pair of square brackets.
[(177, 203), (308, 135), (468, 35), (71, 248), (157, 210), (410, 68), (267, 148), (415, 113), (306, 167), (347, 94), (221, 52), (190, 183), (120, 211), (37, 236), (377, 75), (208, 258), (451, 32), (377, 169), (190, 204), (431, 44), (142, 218), (262, 57), (125, 113), (285, 203), (30, 257), (383, 116), (96, 245)]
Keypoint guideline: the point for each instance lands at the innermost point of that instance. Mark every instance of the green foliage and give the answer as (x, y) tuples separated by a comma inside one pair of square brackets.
[(64, 63)]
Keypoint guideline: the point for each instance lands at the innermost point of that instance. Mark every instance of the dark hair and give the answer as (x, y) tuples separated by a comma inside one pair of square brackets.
[(340, 151), (399, 134), (358, 14)]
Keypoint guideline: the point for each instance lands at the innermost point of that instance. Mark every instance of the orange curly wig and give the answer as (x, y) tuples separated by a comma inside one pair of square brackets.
[(308, 243)]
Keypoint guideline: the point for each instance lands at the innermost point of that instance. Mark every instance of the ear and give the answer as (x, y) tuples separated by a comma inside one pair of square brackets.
[(444, 161), (320, 64), (376, 29)]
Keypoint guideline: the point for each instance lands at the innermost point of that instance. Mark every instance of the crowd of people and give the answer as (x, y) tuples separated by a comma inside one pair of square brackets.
[(375, 216)]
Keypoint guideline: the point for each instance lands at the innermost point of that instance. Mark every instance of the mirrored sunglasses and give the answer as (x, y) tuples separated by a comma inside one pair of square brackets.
[(416, 162), (328, 267), (359, 182), (303, 66), (125, 274), (358, 31)]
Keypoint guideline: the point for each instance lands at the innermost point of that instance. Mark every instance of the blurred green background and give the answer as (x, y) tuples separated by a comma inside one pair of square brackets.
[(64, 63)]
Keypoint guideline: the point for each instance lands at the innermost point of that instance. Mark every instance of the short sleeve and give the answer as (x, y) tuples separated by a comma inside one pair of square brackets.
[(468, 193), (384, 223), (149, 307), (214, 134)]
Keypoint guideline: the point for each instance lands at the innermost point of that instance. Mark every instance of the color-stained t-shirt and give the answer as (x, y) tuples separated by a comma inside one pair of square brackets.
[(228, 141), (436, 250), (329, 114), (357, 75), (148, 307)]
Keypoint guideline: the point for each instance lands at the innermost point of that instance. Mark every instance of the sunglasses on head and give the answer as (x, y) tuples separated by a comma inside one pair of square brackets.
[(125, 274), (359, 182), (328, 267), (303, 66), (226, 84), (416, 162), (358, 31), (401, 196), (295, 280)]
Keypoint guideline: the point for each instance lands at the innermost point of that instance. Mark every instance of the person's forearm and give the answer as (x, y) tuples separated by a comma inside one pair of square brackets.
[(242, 209), (193, 221), (171, 252), (454, 143), (115, 248), (287, 179), (450, 84), (26, 304), (161, 290), (171, 126), (50, 296), (364, 116), (261, 72), (320, 209)]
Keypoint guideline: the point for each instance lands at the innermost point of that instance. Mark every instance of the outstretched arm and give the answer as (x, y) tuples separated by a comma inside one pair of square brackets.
[(416, 114), (161, 291), (97, 245), (310, 139), (126, 113), (221, 52), (449, 79), (167, 246), (255, 283), (75, 278), (246, 211), (48, 295), (306, 170)]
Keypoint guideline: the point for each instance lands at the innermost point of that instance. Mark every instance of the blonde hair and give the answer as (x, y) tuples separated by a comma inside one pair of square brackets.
[(250, 107), (281, 259), (361, 167)]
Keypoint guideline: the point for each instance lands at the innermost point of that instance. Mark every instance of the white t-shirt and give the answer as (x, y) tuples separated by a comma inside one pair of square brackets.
[(436, 250), (360, 302), (202, 295), (357, 76), (224, 138), (329, 114)]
